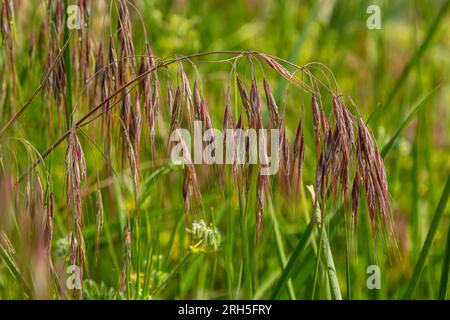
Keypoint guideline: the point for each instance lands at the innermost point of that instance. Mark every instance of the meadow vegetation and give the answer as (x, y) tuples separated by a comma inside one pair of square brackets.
[(93, 207)]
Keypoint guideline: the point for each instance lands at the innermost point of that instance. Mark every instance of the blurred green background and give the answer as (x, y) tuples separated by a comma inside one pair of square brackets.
[(387, 72)]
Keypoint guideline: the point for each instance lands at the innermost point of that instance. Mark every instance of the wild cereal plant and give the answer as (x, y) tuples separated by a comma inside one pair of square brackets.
[(120, 116)]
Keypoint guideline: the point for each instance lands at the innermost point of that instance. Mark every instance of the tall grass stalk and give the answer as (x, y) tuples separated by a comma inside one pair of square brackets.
[(348, 257), (68, 68), (287, 271), (320, 230), (445, 268), (420, 265), (247, 274), (280, 248), (328, 256)]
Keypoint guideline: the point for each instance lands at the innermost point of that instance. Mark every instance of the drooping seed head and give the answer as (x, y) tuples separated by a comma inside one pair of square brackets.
[(245, 100), (298, 156), (272, 105)]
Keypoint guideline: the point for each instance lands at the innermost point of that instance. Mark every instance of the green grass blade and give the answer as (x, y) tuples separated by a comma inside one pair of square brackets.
[(332, 274), (68, 68), (418, 54), (347, 259), (12, 267), (280, 247), (445, 268), (418, 269), (174, 270), (321, 230), (294, 256), (325, 246), (418, 106)]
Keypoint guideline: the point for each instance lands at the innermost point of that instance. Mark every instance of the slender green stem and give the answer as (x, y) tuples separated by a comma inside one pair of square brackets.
[(245, 255), (419, 267), (445, 269), (138, 258), (110, 242), (420, 102), (280, 248), (328, 256), (173, 272), (149, 260), (347, 258), (332, 275), (319, 252), (12, 267), (68, 69), (292, 260)]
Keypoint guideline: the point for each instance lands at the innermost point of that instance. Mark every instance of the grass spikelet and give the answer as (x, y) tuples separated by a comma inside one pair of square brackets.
[(106, 86), (272, 105), (228, 123), (197, 100), (48, 225), (245, 101), (298, 155), (317, 128), (57, 82), (208, 125), (280, 69), (355, 196), (239, 126), (260, 192), (191, 190), (154, 83), (113, 70), (6, 192), (7, 31), (135, 129), (59, 15), (130, 151), (124, 33), (339, 157), (75, 175), (148, 92), (228, 118), (372, 174), (175, 113), (85, 46), (187, 95), (285, 157)]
